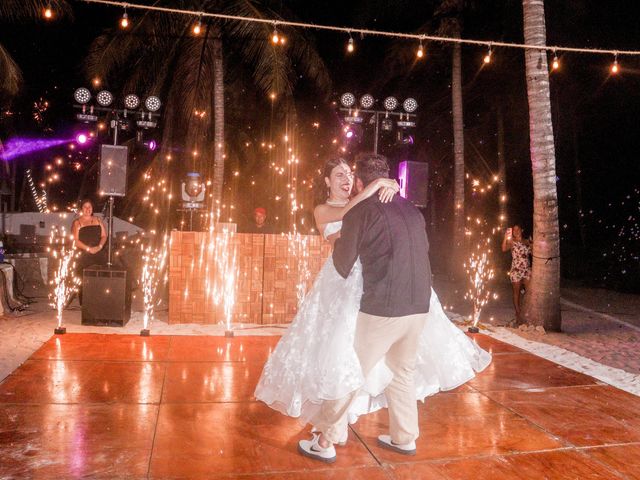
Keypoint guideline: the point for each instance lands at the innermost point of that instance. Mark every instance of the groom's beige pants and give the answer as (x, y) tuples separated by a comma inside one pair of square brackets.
[(396, 340)]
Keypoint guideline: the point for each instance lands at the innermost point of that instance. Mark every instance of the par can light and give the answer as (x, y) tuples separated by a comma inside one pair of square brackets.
[(104, 98), (82, 95), (131, 101)]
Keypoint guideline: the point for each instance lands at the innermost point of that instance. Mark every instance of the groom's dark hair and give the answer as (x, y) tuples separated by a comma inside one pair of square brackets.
[(371, 166)]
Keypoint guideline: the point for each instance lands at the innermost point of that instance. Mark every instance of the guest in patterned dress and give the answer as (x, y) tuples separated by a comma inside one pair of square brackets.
[(520, 272)]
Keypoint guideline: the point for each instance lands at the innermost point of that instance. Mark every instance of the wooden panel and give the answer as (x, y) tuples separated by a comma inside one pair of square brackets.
[(270, 271)]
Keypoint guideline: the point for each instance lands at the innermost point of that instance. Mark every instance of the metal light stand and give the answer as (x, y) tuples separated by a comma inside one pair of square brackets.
[(376, 121), (115, 125)]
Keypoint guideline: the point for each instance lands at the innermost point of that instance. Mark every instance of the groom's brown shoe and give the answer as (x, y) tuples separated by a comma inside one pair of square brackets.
[(404, 448)]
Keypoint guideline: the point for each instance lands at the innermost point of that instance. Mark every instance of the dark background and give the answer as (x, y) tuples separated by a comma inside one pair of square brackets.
[(595, 115)]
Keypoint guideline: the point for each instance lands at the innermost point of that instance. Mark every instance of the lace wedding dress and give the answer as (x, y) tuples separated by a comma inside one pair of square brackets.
[(315, 359)]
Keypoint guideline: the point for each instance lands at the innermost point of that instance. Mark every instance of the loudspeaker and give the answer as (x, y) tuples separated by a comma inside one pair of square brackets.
[(106, 298), (113, 170), (414, 178)]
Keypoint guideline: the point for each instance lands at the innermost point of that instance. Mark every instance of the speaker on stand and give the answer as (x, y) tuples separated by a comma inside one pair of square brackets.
[(414, 178), (106, 296)]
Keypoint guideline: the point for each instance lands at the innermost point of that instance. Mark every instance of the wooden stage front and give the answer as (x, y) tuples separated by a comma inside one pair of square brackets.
[(269, 269), (182, 407)]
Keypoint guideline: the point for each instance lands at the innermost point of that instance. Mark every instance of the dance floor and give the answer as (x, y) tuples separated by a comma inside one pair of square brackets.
[(124, 406)]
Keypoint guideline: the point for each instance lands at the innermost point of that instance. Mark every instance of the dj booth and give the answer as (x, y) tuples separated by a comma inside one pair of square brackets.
[(269, 269)]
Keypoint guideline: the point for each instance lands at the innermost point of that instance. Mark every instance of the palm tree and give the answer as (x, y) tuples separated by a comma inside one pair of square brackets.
[(451, 11), (160, 55), (542, 306)]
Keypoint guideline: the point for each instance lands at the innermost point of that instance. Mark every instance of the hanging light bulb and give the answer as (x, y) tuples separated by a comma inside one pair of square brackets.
[(350, 45), (420, 52), (615, 68), (487, 57), (275, 38), (48, 12), (555, 65), (124, 21), (197, 28)]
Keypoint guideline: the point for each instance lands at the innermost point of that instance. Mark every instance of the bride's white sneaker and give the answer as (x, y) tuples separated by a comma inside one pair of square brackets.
[(312, 449), (403, 448)]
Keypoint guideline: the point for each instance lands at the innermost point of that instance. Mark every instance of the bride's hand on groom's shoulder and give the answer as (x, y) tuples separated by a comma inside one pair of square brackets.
[(387, 189)]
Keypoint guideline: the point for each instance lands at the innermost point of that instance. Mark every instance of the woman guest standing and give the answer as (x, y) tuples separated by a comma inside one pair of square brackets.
[(90, 236), (520, 272)]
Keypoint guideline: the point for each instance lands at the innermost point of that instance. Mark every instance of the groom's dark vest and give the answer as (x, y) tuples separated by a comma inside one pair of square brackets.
[(391, 241)]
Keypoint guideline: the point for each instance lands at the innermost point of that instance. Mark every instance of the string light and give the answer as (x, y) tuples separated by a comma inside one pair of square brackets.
[(275, 38), (420, 52), (197, 28), (48, 12), (350, 46), (363, 31), (615, 68), (487, 57), (556, 63), (124, 21)]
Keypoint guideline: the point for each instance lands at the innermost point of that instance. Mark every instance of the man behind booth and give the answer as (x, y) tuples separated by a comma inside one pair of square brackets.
[(260, 224)]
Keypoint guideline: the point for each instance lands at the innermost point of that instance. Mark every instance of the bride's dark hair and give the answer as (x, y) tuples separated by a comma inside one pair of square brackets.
[(321, 190)]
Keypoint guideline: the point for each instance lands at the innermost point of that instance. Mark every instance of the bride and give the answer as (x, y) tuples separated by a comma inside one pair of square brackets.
[(315, 359)]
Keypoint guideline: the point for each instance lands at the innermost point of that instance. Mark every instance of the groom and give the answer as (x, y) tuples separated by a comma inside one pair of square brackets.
[(391, 241)]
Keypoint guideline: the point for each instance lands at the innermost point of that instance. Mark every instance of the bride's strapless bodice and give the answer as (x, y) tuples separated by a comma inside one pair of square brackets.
[(331, 228)]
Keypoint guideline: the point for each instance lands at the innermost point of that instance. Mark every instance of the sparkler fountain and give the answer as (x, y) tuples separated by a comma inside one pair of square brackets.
[(153, 270), (480, 272), (65, 282)]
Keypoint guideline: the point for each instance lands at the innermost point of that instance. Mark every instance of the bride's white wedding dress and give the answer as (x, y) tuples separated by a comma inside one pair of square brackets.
[(315, 359)]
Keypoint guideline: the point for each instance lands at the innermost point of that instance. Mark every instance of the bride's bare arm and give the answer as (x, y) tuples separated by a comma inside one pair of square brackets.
[(324, 214)]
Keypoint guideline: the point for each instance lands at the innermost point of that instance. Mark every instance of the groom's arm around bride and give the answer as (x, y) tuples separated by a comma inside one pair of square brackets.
[(392, 244)]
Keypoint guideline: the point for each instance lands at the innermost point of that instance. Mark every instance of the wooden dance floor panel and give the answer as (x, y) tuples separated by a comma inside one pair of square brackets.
[(181, 407)]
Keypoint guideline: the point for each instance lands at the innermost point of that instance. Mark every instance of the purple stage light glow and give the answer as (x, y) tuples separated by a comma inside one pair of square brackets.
[(17, 147), (403, 176), (82, 138), (152, 145), (349, 133)]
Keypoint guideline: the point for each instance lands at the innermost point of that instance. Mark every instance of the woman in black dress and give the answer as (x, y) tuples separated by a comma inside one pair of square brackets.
[(90, 236)]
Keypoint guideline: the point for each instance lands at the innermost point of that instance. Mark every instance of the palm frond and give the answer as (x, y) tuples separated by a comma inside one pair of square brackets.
[(21, 10), (10, 75)]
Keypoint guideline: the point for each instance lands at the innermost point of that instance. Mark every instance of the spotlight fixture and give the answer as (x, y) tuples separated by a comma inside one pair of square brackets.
[(275, 38), (350, 45), (124, 21), (348, 100), (82, 138), (152, 145), (386, 124), (131, 101), (390, 103), (152, 103), (487, 57), (104, 98), (48, 12), (82, 95), (410, 105), (420, 51), (367, 101)]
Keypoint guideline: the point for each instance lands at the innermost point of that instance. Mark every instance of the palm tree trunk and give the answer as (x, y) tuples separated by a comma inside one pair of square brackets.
[(218, 112), (502, 171), (542, 305), (458, 156)]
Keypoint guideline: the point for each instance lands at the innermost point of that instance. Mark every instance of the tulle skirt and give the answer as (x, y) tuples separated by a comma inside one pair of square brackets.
[(315, 359)]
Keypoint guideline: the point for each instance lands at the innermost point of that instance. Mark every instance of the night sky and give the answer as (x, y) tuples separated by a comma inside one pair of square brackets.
[(595, 114)]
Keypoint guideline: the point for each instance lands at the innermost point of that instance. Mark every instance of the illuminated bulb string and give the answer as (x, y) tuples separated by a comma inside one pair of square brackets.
[(362, 31)]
